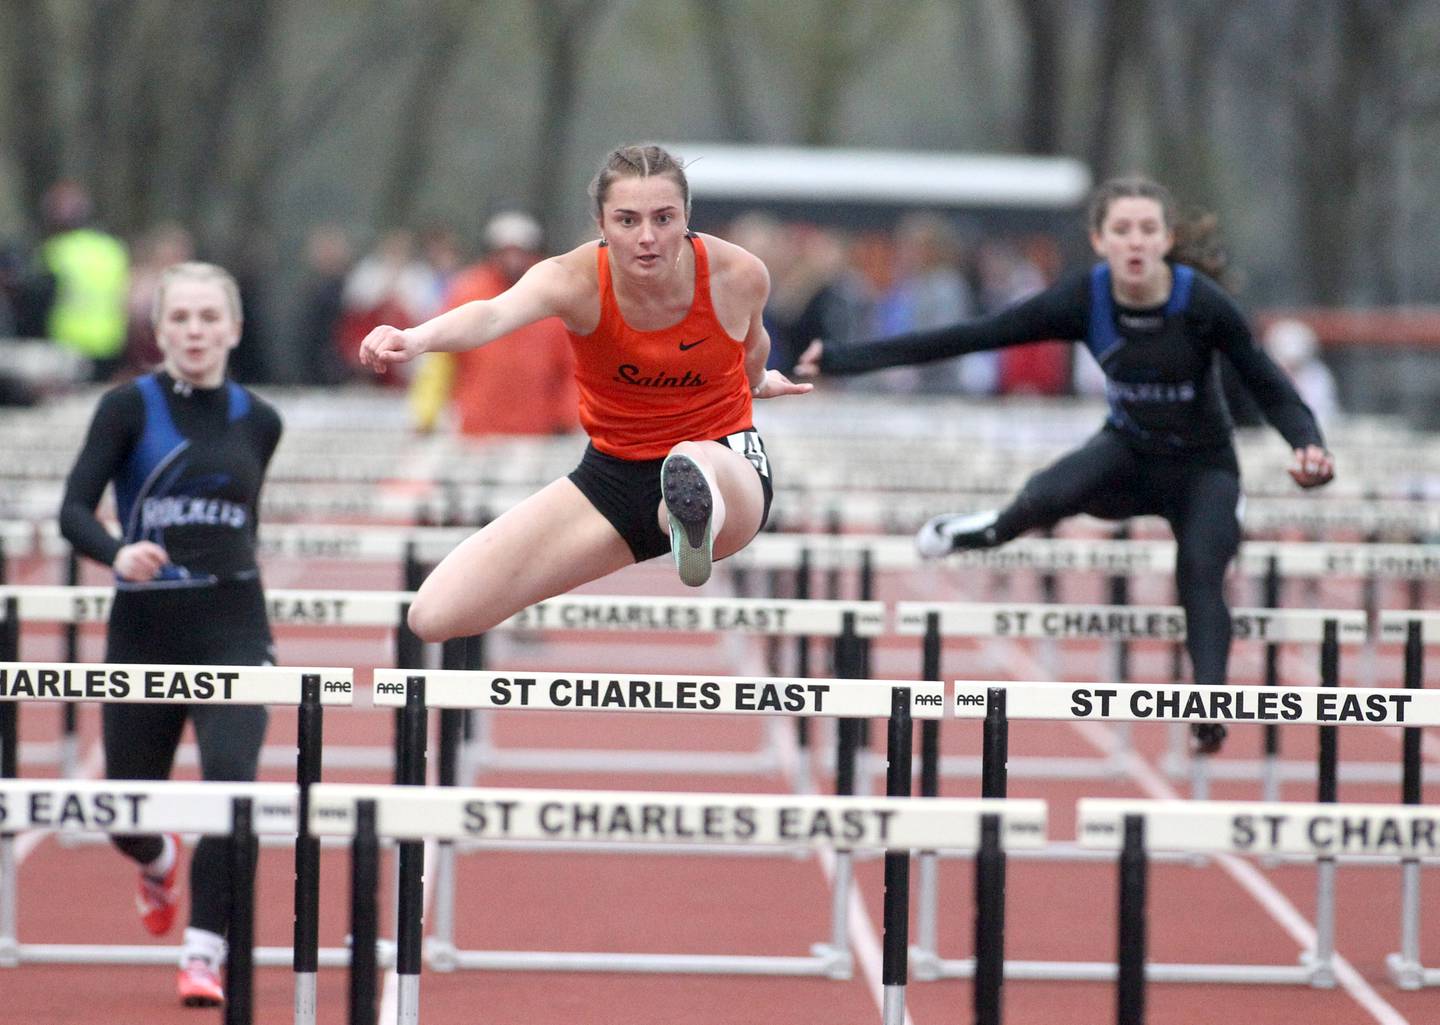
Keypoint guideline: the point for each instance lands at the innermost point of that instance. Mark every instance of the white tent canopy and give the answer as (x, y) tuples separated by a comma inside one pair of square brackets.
[(755, 173)]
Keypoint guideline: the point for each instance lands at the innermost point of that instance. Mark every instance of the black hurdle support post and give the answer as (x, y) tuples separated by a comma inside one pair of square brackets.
[(930, 728), (926, 924), (894, 965), (410, 912), (1329, 735), (364, 922), (1120, 597), (994, 777), (69, 730), (802, 648), (1410, 786), (441, 948), (1130, 977), (1270, 780), (306, 956), (10, 710), (240, 929), (847, 731), (989, 923), (1327, 793)]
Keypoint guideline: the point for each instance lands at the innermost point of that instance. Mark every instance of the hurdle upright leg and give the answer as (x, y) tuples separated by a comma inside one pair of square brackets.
[(240, 931), (893, 969), (440, 945), (1405, 967), (1321, 959), (306, 955), (925, 956), (364, 923), (411, 904), (9, 765)]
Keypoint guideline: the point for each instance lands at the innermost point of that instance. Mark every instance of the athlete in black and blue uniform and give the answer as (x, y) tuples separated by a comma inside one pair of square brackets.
[(186, 450), (1155, 326)]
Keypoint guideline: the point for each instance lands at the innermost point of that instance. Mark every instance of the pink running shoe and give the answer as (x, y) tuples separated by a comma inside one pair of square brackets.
[(198, 985), (156, 899)]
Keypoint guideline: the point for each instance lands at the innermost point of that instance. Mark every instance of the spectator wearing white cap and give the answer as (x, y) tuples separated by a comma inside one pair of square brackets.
[(1294, 345), (480, 386)]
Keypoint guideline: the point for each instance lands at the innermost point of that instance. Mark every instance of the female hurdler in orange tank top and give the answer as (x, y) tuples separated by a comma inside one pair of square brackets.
[(670, 352)]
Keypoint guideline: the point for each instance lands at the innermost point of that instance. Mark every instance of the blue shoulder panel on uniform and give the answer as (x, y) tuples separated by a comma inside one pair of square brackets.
[(158, 441), (1183, 278), (1102, 336), (239, 401)]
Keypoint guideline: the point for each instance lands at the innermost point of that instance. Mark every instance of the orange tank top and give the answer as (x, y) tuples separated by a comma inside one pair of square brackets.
[(643, 392)]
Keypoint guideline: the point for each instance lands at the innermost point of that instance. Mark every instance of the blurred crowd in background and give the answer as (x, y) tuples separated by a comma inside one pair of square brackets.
[(91, 292)]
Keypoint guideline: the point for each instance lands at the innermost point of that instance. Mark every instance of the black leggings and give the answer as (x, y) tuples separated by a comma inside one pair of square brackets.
[(222, 626), (1197, 493)]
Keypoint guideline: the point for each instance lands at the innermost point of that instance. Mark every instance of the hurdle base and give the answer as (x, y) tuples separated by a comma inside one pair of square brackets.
[(1287, 771), (1041, 767), (925, 965), (713, 763), (1104, 971), (669, 964), (1322, 972), (117, 954), (1410, 975)]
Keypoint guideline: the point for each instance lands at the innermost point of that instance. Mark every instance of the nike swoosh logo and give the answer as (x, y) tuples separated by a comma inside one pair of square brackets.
[(686, 348)]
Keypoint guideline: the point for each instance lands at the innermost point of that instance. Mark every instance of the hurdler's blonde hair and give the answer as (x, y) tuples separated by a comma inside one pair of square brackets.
[(194, 270)]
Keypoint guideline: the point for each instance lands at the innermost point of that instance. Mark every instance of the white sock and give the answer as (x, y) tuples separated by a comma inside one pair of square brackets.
[(164, 861), (205, 945)]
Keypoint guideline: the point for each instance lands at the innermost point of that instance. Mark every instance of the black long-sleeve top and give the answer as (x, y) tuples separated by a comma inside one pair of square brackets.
[(187, 465), (1161, 376)]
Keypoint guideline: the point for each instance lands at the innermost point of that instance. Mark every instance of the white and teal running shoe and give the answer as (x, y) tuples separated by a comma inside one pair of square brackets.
[(690, 506)]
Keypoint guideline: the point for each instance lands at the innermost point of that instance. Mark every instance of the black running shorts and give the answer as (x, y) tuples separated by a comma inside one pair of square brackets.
[(627, 491)]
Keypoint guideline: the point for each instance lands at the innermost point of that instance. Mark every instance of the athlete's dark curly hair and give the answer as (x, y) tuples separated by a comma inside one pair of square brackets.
[(1197, 241)]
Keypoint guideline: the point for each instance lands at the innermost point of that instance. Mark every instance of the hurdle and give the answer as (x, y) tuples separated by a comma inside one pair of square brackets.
[(1320, 831), (240, 810), (1327, 707), (544, 816), (846, 700), (933, 621), (1415, 630), (309, 688), (74, 606)]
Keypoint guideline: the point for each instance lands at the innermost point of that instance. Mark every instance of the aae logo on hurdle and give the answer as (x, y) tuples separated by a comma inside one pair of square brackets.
[(1373, 706), (615, 692), (1321, 830)]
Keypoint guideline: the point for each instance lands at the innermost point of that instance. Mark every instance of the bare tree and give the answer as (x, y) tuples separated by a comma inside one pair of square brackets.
[(438, 46), (1044, 24), (31, 123), (718, 36), (1120, 24), (563, 31)]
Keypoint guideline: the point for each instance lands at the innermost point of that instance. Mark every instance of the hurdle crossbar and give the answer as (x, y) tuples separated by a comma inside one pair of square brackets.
[(310, 688), (418, 813), (1328, 707), (847, 700), (1416, 631), (237, 810), (1322, 831)]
